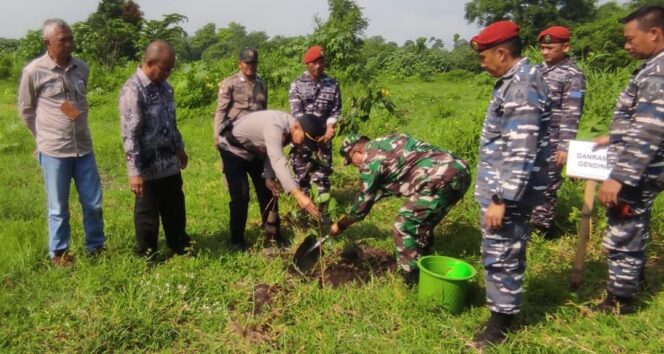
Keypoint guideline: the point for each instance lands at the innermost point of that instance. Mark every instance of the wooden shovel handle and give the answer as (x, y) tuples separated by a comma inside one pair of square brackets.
[(584, 232)]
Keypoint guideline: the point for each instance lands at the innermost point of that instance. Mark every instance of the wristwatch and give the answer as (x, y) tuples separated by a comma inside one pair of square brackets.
[(497, 199)]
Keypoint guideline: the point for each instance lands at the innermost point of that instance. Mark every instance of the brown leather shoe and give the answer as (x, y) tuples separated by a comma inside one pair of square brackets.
[(63, 259)]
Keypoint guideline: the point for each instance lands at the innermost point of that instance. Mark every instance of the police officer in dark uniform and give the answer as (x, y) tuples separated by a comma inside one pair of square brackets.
[(241, 93), (238, 96)]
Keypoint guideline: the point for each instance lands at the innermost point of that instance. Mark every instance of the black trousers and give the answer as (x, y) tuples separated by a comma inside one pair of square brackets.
[(236, 170), (161, 197)]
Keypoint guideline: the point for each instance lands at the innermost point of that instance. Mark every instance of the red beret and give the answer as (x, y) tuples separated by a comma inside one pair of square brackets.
[(312, 54), (494, 34), (555, 34)]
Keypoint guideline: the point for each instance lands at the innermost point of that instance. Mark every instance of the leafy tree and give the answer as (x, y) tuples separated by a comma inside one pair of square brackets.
[(462, 56), (131, 13), (231, 39), (341, 36), (109, 34), (6, 65), (32, 45), (420, 45), (9, 45), (108, 45), (203, 38), (233, 35), (168, 29), (376, 48), (532, 15), (289, 46), (600, 42), (436, 43)]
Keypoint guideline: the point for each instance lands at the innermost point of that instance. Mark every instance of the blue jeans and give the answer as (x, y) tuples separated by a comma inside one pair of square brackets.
[(58, 173)]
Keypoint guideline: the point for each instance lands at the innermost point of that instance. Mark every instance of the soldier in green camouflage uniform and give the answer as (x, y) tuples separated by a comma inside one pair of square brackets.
[(431, 179)]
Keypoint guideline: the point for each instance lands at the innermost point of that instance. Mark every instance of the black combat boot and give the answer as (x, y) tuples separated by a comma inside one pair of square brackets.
[(618, 305), (549, 233), (411, 278), (494, 331), (278, 241), (238, 244)]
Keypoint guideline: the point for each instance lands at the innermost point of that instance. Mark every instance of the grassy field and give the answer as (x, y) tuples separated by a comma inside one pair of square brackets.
[(117, 303)]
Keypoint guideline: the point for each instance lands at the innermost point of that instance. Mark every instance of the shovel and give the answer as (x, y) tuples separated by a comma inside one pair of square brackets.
[(307, 255)]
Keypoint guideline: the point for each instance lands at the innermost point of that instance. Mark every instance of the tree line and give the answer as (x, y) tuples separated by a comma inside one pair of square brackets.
[(117, 32)]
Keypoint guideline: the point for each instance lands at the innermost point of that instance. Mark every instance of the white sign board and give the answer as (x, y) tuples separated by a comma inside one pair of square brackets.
[(585, 162)]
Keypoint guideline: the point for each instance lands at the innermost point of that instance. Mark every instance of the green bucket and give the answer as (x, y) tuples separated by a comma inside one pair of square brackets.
[(444, 281)]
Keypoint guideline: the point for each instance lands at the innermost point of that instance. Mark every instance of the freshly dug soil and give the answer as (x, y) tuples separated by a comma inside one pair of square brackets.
[(254, 333), (356, 264), (264, 294)]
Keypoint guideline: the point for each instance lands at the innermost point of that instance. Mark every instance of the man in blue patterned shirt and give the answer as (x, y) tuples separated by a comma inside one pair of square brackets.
[(316, 94), (567, 86), (636, 153), (512, 171), (154, 152)]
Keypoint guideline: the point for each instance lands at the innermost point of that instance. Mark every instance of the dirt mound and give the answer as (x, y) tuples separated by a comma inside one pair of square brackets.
[(254, 333), (264, 294), (357, 264)]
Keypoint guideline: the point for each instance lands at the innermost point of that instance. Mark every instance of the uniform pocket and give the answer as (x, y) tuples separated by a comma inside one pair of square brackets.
[(52, 88), (493, 122), (240, 100)]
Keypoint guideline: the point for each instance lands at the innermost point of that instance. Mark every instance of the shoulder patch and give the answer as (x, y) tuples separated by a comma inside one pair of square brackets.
[(520, 96), (518, 92), (653, 88), (576, 81)]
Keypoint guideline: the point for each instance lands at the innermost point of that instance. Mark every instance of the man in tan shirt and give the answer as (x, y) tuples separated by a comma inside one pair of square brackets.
[(52, 102)]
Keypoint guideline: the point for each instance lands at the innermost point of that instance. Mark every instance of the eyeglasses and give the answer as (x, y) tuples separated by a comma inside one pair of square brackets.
[(166, 69)]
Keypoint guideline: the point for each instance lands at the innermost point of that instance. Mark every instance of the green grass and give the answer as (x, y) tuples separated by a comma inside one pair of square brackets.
[(117, 303)]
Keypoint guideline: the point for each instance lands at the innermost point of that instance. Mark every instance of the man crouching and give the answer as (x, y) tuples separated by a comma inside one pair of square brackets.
[(431, 179)]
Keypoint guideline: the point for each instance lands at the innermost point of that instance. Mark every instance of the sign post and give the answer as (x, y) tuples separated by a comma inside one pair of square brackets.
[(585, 229), (586, 162)]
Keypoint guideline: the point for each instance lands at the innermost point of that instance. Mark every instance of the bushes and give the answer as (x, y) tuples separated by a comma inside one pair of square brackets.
[(196, 84), (602, 90), (6, 66)]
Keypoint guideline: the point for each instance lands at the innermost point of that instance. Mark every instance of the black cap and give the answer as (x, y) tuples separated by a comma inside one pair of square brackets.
[(313, 129), (248, 55)]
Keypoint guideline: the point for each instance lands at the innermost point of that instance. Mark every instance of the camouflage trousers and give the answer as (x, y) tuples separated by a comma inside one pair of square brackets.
[(626, 237), (413, 229), (504, 259), (544, 213), (312, 166)]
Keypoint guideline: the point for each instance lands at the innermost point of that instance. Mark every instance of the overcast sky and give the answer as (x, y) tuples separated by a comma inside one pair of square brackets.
[(395, 20)]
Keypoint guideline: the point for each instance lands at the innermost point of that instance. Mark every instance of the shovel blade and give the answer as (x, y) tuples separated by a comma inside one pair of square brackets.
[(307, 255)]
